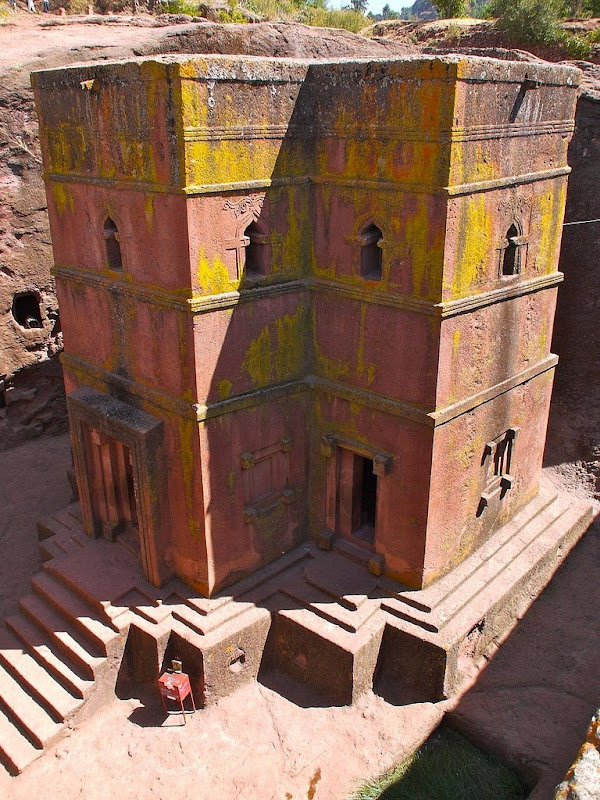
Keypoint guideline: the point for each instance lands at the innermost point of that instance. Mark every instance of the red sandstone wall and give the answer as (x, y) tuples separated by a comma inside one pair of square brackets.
[(227, 360)]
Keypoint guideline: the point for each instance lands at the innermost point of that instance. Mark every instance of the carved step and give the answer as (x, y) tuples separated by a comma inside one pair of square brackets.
[(16, 751), (26, 712), (48, 655), (541, 557), (61, 631), (68, 520), (37, 680), (488, 570), (75, 609), (438, 593), (49, 549)]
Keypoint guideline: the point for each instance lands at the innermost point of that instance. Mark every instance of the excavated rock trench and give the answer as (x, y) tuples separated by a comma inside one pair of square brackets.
[(32, 403)]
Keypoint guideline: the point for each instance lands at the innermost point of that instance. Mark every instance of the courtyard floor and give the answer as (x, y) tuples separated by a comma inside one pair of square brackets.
[(532, 702)]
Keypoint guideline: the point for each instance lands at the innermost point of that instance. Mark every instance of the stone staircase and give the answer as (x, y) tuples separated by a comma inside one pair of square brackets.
[(318, 616), (53, 655), (61, 653)]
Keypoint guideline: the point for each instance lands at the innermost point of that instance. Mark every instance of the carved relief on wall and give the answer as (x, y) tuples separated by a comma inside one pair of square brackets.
[(253, 203), (498, 458), (266, 478), (250, 246)]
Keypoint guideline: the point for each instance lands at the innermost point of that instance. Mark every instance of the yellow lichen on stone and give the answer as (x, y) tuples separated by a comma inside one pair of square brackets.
[(188, 432), (213, 277), (289, 352), (473, 246), (224, 388), (63, 198), (149, 210), (258, 359), (279, 356), (67, 149), (551, 209)]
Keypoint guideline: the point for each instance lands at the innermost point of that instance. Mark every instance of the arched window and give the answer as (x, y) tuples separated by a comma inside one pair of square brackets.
[(256, 251), (510, 259), (370, 253), (113, 248)]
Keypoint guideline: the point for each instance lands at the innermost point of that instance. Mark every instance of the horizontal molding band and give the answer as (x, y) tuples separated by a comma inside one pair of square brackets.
[(502, 183), (444, 415), (371, 296), (404, 187), (452, 308), (443, 310), (121, 184), (378, 132), (163, 400), (178, 301), (132, 185), (251, 399), (204, 305), (198, 304), (352, 394), (443, 191), (545, 72), (511, 130), (370, 400), (431, 419)]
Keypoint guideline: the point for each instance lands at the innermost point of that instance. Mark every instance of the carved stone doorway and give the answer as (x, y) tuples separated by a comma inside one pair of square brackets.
[(112, 489), (119, 462)]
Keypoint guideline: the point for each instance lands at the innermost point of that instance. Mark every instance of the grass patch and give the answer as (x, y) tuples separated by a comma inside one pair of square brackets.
[(447, 767), (315, 13)]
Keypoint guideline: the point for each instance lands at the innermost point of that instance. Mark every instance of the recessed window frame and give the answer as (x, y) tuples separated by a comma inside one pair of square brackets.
[(113, 252), (371, 254), (512, 252)]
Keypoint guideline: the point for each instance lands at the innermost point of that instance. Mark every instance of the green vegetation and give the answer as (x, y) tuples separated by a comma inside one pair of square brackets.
[(451, 8), (538, 22), (190, 7), (447, 767), (535, 21), (310, 13)]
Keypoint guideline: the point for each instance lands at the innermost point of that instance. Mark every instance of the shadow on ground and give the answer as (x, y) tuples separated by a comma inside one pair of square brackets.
[(533, 702)]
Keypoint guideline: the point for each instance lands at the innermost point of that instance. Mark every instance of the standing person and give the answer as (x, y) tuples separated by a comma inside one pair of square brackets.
[(46, 6), (13, 4), (31, 6)]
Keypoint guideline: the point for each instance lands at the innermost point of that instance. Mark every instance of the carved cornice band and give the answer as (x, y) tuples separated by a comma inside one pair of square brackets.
[(178, 301), (403, 187), (386, 405)]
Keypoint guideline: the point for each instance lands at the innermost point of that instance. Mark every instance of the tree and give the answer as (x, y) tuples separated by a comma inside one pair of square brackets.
[(529, 20), (387, 13), (450, 8), (359, 5)]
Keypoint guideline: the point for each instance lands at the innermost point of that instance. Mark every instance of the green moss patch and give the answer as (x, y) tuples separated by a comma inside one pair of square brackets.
[(447, 767)]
